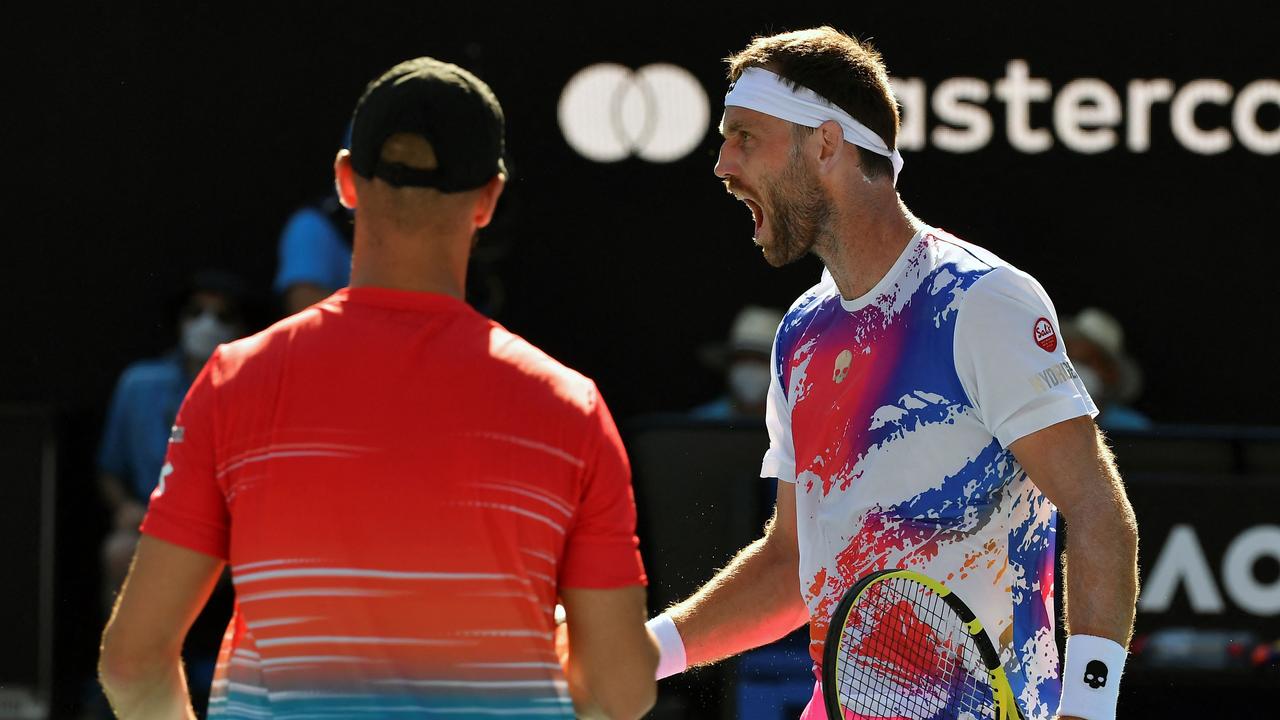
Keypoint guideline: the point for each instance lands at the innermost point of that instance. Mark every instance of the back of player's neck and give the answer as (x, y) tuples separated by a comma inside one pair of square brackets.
[(418, 264)]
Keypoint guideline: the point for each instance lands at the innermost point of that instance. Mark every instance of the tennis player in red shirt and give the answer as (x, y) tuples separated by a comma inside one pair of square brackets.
[(403, 489)]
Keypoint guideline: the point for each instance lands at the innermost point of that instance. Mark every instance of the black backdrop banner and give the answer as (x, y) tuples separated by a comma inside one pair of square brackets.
[(1209, 555), (1126, 156)]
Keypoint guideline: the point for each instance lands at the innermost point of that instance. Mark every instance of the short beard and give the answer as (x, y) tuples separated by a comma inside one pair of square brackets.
[(800, 212)]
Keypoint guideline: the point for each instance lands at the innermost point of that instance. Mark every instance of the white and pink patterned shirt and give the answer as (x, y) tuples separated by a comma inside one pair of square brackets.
[(893, 414)]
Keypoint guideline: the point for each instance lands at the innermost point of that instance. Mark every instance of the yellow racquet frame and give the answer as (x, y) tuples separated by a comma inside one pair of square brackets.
[(1006, 707)]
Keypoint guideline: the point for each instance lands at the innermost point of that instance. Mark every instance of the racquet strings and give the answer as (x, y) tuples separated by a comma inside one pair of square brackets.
[(904, 653)]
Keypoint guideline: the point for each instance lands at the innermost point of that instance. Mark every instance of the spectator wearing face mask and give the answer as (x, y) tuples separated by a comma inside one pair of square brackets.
[(1095, 343), (144, 405), (134, 441), (745, 360)]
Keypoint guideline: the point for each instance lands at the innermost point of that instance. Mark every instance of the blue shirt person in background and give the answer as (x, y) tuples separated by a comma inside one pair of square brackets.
[(1095, 343), (136, 436), (144, 403), (143, 407), (314, 254)]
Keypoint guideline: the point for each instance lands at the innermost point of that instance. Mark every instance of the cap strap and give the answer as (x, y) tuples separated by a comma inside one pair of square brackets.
[(400, 175)]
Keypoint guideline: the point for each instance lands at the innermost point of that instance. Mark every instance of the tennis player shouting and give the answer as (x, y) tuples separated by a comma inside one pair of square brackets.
[(403, 489), (923, 413)]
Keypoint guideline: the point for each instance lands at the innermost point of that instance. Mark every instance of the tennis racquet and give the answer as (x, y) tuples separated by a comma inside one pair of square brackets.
[(901, 645)]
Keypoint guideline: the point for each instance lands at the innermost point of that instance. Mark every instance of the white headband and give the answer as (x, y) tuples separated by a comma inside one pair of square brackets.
[(763, 91)]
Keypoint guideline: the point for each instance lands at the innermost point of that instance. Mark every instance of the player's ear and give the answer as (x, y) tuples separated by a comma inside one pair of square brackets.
[(830, 140), (487, 200), (344, 180)]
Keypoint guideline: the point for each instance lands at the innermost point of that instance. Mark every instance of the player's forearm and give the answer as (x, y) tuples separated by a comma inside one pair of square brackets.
[(753, 601), (1102, 570)]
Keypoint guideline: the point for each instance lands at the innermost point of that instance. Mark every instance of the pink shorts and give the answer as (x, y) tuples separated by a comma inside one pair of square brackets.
[(815, 710)]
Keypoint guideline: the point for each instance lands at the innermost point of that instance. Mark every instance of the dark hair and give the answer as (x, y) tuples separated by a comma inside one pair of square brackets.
[(838, 67), (219, 282)]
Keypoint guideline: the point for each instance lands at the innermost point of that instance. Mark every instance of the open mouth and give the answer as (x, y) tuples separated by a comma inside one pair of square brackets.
[(757, 214)]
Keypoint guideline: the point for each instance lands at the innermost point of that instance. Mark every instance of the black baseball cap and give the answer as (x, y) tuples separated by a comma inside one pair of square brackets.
[(451, 108)]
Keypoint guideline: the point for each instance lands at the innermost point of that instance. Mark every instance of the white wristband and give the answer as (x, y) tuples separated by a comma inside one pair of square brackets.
[(671, 658), (1091, 677)]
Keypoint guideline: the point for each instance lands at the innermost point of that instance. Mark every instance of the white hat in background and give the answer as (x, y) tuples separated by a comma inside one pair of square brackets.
[(753, 330), (1102, 329)]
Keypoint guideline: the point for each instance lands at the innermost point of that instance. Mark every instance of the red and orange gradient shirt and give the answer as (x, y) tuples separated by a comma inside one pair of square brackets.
[(401, 487)]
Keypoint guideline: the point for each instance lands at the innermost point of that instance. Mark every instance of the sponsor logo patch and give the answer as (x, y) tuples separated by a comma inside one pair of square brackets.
[(1045, 336)]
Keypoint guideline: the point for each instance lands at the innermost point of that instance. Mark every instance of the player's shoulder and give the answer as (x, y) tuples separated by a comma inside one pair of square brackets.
[(948, 249), (539, 378), (272, 342), (994, 288), (990, 274)]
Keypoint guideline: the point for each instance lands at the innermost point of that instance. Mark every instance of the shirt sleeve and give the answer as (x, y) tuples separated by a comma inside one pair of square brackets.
[(188, 507), (310, 252), (780, 459), (602, 550), (1011, 359)]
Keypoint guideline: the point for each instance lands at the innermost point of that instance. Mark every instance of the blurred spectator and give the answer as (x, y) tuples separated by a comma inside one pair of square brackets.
[(745, 363), (146, 401), (143, 407), (1095, 343), (315, 254), (315, 250), (142, 411)]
